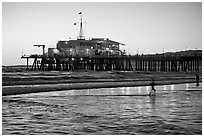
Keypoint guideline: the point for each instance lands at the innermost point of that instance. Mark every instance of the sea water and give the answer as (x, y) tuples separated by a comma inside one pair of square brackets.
[(176, 109)]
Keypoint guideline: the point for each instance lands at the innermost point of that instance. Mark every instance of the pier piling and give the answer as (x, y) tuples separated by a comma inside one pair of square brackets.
[(120, 63)]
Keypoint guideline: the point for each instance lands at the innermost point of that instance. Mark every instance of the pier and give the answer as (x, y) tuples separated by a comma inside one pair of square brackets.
[(103, 54), (156, 62)]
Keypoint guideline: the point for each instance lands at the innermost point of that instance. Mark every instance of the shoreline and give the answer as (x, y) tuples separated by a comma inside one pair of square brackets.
[(42, 82), (15, 90), (14, 83)]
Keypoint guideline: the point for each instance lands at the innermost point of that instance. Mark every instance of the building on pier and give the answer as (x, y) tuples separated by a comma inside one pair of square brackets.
[(86, 48)]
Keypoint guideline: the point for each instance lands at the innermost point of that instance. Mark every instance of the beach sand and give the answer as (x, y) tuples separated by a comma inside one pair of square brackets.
[(22, 82)]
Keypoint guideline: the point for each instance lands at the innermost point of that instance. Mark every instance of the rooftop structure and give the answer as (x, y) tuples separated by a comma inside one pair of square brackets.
[(86, 48)]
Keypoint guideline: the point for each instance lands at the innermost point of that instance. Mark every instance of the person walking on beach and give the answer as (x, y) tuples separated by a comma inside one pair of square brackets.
[(152, 84), (197, 80)]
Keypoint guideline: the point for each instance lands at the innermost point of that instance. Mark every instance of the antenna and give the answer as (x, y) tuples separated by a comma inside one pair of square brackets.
[(81, 28)]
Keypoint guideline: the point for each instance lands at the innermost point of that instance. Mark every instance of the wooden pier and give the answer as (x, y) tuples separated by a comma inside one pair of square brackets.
[(120, 63)]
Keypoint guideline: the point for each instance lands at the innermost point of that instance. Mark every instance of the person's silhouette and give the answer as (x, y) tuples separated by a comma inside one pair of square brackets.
[(197, 80), (152, 84)]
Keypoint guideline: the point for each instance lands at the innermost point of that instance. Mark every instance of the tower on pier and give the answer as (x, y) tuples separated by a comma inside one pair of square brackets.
[(81, 35)]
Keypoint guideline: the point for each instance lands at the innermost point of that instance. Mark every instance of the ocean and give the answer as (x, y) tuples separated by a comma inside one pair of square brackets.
[(175, 109)]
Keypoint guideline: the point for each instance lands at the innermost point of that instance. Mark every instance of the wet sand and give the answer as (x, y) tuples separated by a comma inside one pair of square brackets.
[(41, 81)]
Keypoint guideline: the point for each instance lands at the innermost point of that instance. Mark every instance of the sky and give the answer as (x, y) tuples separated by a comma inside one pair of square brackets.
[(142, 26)]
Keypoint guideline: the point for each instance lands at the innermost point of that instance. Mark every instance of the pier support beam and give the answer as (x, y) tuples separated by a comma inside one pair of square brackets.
[(27, 64)]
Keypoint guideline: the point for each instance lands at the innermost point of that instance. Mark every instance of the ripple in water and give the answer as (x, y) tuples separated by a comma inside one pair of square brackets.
[(176, 109)]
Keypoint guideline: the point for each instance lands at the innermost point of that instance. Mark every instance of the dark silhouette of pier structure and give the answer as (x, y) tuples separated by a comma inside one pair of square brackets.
[(103, 54), (156, 62)]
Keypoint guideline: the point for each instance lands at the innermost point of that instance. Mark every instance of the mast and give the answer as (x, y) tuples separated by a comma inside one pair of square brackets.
[(81, 29)]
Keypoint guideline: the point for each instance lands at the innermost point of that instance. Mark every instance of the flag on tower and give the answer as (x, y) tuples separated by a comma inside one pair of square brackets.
[(80, 12)]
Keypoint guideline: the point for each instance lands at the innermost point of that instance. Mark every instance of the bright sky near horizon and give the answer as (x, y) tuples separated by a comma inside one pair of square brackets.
[(143, 27)]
